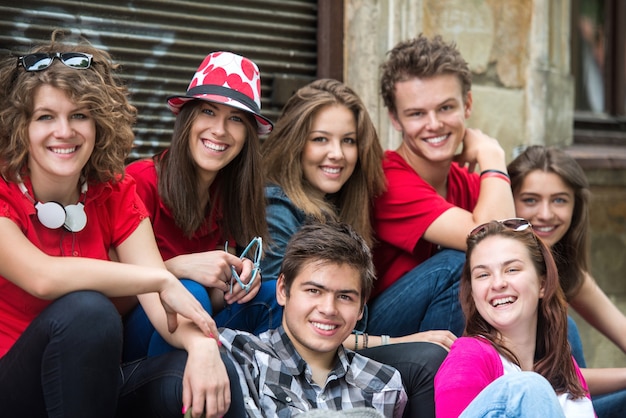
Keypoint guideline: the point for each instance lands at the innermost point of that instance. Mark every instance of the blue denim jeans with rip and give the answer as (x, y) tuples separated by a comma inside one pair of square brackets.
[(522, 394), (426, 298)]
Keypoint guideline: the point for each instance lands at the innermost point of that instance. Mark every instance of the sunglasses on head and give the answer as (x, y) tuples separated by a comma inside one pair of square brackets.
[(41, 61), (514, 224)]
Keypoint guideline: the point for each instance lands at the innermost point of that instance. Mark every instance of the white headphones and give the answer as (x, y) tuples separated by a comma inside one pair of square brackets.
[(54, 215)]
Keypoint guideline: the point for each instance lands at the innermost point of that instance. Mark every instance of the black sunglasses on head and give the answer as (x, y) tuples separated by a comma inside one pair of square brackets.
[(41, 61)]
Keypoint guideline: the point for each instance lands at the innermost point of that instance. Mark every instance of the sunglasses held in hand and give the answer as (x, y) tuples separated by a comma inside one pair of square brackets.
[(256, 260)]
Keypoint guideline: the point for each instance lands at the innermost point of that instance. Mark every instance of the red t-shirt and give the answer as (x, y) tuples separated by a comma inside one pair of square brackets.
[(113, 213), (405, 211), (170, 238)]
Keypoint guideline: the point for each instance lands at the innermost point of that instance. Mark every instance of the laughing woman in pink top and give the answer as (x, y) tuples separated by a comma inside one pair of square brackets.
[(516, 322)]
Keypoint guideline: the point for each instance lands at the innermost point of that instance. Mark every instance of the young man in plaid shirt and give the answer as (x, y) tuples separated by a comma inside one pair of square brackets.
[(326, 278)]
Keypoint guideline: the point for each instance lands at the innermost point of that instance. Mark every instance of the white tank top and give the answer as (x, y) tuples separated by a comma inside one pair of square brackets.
[(572, 408)]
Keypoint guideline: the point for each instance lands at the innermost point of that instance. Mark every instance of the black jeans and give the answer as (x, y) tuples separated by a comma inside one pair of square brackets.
[(153, 387), (67, 362), (417, 363)]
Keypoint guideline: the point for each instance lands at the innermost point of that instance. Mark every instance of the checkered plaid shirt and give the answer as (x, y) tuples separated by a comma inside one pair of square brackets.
[(277, 382)]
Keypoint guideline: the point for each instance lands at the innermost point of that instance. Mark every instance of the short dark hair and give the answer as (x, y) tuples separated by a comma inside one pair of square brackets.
[(328, 243), (422, 57)]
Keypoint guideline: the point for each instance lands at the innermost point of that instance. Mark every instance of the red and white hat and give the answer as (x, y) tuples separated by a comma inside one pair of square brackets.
[(230, 79)]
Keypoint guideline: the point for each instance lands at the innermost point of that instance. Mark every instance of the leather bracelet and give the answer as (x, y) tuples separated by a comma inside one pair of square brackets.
[(492, 170), (497, 174)]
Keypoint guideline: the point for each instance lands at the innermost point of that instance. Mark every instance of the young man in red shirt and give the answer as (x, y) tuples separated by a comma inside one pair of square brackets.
[(434, 198)]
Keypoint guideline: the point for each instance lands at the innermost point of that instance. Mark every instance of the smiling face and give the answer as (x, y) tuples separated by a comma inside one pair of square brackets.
[(322, 308), (330, 153), (61, 135), (431, 115), (505, 285), (548, 203), (217, 136)]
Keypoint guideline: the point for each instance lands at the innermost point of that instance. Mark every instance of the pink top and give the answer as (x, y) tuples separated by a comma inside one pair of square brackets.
[(472, 364)]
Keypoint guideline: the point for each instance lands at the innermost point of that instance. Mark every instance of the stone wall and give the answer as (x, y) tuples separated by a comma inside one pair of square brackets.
[(608, 259), (518, 51)]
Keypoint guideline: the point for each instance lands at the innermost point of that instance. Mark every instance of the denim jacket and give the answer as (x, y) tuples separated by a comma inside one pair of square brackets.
[(283, 220)]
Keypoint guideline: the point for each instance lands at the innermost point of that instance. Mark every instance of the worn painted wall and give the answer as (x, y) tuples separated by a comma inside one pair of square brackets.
[(608, 264), (517, 50)]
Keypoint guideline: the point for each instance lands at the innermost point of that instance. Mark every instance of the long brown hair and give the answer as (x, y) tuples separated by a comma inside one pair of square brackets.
[(282, 152), (571, 253), (553, 359), (237, 188), (98, 88)]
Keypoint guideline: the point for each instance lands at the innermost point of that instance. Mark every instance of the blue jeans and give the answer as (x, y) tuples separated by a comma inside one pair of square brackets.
[(426, 298), (260, 314), (67, 361), (611, 405), (522, 394), (575, 343)]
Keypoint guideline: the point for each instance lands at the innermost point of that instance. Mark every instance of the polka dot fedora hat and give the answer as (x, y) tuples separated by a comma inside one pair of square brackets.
[(230, 79)]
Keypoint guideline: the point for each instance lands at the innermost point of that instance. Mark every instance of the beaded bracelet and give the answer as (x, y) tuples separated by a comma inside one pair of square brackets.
[(365, 340), (356, 341)]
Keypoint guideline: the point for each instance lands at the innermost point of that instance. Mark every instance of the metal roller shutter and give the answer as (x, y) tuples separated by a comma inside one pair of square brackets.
[(160, 43)]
